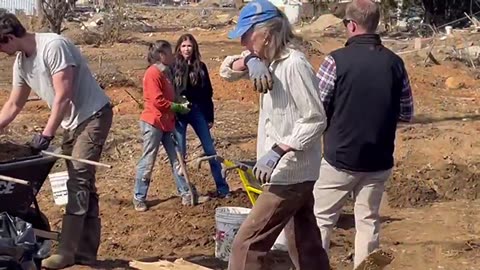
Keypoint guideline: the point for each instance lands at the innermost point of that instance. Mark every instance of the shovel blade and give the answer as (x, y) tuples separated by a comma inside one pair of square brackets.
[(377, 260)]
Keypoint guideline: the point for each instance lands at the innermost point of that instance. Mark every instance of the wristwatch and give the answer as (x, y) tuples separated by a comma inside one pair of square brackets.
[(277, 149), (248, 57)]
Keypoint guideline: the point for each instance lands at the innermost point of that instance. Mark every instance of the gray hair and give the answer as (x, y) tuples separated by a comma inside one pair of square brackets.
[(281, 36), (157, 48)]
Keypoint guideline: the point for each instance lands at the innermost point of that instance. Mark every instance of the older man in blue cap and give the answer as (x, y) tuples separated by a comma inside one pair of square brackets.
[(291, 123), (258, 72)]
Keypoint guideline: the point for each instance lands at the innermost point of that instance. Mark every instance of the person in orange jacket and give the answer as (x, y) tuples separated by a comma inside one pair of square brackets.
[(157, 122)]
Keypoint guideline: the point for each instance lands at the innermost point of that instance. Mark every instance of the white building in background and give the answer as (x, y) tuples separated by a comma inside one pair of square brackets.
[(14, 6)]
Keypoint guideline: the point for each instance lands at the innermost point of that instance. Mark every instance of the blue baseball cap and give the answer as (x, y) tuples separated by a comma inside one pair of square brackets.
[(254, 12)]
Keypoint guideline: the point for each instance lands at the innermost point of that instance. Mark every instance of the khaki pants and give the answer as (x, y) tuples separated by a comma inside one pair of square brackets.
[(279, 207), (85, 142), (331, 192)]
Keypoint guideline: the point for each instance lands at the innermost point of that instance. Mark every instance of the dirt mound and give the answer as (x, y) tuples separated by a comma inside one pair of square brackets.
[(10, 151), (409, 191), (450, 182), (455, 182)]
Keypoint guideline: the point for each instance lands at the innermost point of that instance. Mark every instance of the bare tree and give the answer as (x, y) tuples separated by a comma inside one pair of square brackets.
[(54, 12), (440, 12)]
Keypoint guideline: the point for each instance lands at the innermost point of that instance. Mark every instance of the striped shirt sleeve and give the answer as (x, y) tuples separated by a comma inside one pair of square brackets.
[(406, 100)]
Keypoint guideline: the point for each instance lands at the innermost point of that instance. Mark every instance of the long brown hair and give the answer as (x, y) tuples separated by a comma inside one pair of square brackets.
[(195, 72)]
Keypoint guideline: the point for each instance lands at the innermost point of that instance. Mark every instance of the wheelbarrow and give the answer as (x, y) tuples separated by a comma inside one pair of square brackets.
[(251, 184), (20, 181)]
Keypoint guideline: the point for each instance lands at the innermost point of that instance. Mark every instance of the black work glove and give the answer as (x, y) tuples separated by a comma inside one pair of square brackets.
[(40, 142)]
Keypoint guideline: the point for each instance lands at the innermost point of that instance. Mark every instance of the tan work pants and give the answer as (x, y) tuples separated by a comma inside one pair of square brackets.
[(331, 192), (85, 142)]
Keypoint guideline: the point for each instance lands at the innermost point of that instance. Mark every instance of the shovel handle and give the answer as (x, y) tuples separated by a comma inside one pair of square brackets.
[(86, 161), (14, 180)]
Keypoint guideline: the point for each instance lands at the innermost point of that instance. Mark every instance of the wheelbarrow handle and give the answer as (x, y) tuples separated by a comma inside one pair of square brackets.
[(14, 180), (86, 161)]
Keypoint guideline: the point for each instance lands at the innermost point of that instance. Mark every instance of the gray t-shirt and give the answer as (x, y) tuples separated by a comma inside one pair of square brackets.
[(54, 53)]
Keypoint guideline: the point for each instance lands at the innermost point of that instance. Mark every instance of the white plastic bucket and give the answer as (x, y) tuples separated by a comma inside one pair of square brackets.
[(58, 182), (448, 30), (228, 221)]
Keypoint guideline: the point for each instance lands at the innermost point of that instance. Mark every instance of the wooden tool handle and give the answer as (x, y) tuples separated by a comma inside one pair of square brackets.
[(14, 180), (77, 159)]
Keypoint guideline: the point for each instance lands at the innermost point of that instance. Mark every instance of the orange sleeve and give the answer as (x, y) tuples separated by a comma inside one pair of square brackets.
[(153, 90)]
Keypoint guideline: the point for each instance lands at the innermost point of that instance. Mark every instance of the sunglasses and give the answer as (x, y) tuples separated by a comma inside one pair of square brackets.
[(347, 21)]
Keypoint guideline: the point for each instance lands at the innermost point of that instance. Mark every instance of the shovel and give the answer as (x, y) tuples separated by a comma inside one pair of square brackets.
[(192, 189), (377, 260)]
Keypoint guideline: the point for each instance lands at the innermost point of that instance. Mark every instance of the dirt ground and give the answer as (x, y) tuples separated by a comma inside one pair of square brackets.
[(430, 210)]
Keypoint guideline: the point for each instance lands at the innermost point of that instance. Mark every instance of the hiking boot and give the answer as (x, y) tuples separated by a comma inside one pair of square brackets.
[(140, 206), (89, 243), (186, 199), (72, 226)]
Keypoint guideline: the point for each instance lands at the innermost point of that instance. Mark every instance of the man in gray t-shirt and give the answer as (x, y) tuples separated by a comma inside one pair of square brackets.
[(56, 71)]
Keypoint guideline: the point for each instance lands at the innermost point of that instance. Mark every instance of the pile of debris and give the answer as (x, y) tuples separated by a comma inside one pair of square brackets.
[(322, 23)]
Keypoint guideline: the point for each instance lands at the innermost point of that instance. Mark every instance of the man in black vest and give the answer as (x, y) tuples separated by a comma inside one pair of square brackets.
[(365, 91)]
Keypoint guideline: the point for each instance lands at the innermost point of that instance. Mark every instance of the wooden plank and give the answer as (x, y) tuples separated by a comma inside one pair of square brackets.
[(179, 264)]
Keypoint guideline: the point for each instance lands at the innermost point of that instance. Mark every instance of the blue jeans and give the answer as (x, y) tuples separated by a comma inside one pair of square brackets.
[(152, 138), (197, 120)]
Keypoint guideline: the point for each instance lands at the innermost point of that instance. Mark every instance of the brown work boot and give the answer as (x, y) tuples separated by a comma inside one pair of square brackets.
[(89, 243), (72, 226)]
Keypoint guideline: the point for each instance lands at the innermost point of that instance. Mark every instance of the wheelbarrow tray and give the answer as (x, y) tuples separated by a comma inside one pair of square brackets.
[(17, 198)]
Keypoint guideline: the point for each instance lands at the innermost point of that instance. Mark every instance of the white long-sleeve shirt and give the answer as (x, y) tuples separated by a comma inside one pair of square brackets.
[(291, 113)]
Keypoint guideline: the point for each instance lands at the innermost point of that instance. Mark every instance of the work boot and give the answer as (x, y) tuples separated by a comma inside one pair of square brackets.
[(89, 243), (72, 226)]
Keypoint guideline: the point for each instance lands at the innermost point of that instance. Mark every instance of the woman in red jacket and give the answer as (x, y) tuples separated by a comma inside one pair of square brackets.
[(157, 122)]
